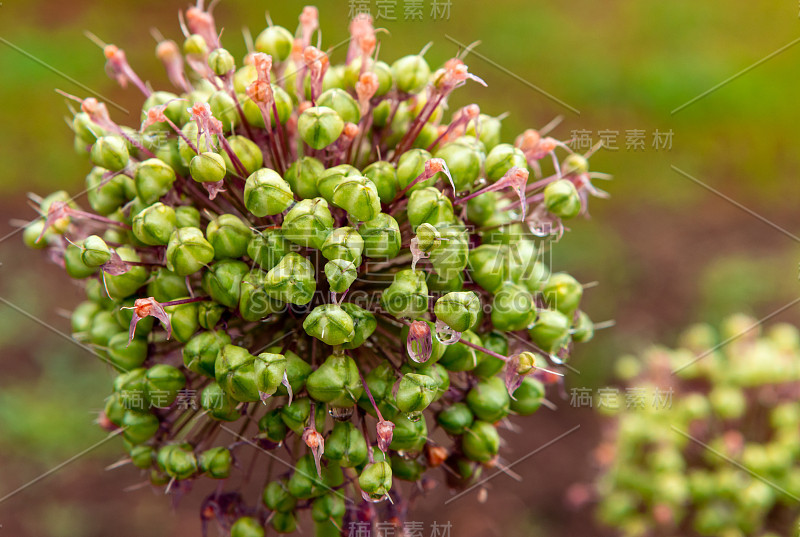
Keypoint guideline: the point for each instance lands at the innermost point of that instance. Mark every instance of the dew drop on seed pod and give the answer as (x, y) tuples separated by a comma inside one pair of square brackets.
[(419, 343), (446, 335), (414, 417), (340, 414)]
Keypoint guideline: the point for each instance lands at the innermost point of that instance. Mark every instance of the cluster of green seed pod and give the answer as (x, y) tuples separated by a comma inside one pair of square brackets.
[(721, 456), (290, 253)]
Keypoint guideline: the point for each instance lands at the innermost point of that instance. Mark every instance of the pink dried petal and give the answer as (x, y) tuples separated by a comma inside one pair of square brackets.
[(385, 430), (148, 307), (419, 342), (513, 379), (288, 386), (214, 188), (316, 443), (115, 265), (58, 210), (417, 253)]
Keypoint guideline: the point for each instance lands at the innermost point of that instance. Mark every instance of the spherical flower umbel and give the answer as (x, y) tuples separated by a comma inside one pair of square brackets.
[(320, 251)]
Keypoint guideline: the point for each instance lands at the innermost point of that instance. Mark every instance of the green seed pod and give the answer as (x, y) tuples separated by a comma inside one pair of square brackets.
[(111, 153), (74, 264), (364, 324), (483, 210), (95, 251), (272, 427), (459, 311), (334, 78), (103, 328), (186, 216), (229, 236), (490, 266), (216, 462), (428, 237), (381, 114), (380, 381), (276, 41), (513, 308), (342, 103), (223, 280), (139, 426), (563, 292), (346, 445), (408, 435), (195, 45), (124, 285), (291, 280), (340, 274), (277, 498), (727, 401), (141, 456), (218, 403), (221, 61), (376, 479), (406, 469), (502, 158), (489, 400), (415, 392), (528, 397), (411, 73), (268, 247), (177, 460), (308, 223), (125, 356), (490, 131), (381, 237), (359, 197), (283, 102), (551, 331), (269, 370), (208, 167), (297, 371), (209, 313), (296, 417), (86, 131), (131, 389), (384, 177), (155, 224), (83, 316), (407, 296), (460, 357), (455, 419), (464, 162), (188, 251), (302, 176), (235, 372), (165, 286), (410, 166), (333, 177), (254, 302), (535, 276), (336, 382), (319, 126), (481, 442), (284, 522), (247, 151), (200, 352), (162, 384), (327, 507), (35, 236), (184, 320), (153, 179), (266, 193), (429, 205), (561, 198), (489, 366), (187, 152), (343, 243), (247, 527)]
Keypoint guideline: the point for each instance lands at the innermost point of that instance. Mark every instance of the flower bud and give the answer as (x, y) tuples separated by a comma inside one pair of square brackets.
[(292, 280), (186, 216), (319, 126), (277, 498), (223, 279), (513, 308), (343, 243), (336, 381), (415, 392), (221, 61), (276, 41), (328, 507), (269, 370), (330, 324), (384, 177), (208, 167), (218, 403), (155, 224), (375, 480), (407, 296), (153, 179), (139, 426), (481, 442), (410, 166), (333, 177), (111, 153), (460, 357), (464, 162), (200, 352), (364, 324), (502, 158), (381, 237), (247, 527), (458, 310), (563, 292), (95, 251), (188, 251), (229, 236), (429, 205), (489, 400), (342, 103), (273, 429), (268, 247), (216, 462), (124, 355), (455, 419), (359, 197), (411, 73), (302, 176), (234, 370), (254, 302), (124, 285), (561, 198), (528, 397), (177, 460), (340, 274), (346, 445), (308, 223), (266, 193)]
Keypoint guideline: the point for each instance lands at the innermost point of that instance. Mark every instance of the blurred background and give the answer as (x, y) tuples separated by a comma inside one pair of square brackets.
[(666, 250)]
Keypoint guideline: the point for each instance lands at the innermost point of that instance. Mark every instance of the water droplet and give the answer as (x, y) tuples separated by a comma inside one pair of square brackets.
[(414, 416), (340, 414)]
